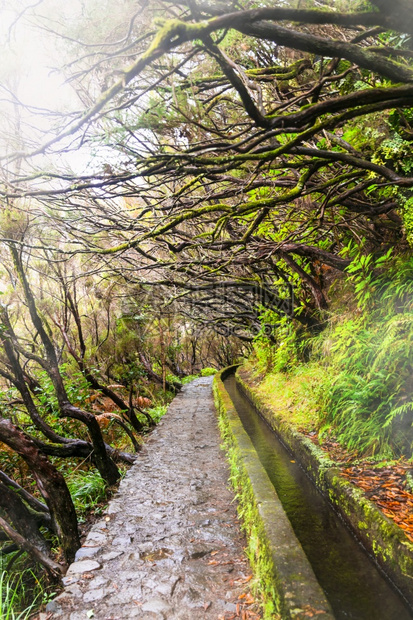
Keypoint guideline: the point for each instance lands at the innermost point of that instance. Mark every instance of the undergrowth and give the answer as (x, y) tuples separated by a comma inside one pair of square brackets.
[(354, 379), (21, 591), (88, 491)]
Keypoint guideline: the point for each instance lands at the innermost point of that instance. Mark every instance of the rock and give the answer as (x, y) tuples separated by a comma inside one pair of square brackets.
[(97, 537), (155, 605), (114, 508), (94, 595), (74, 590), (145, 547), (52, 606), (86, 552), (97, 582), (69, 580), (122, 541), (84, 566), (106, 557)]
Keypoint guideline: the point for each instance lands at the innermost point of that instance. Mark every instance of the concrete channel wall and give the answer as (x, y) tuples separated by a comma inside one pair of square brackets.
[(288, 584), (381, 537)]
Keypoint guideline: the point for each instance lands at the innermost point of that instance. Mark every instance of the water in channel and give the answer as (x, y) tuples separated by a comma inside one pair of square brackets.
[(353, 584)]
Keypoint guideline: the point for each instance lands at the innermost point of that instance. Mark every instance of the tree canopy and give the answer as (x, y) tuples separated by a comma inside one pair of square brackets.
[(221, 161), (250, 146)]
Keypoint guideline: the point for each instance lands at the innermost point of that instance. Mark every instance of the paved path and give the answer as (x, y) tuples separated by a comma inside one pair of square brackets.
[(170, 545)]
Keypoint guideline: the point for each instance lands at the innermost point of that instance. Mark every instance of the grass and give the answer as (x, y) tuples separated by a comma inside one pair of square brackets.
[(88, 490), (292, 396), (15, 592)]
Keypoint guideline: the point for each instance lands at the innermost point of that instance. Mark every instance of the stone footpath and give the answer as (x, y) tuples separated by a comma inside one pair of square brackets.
[(170, 544)]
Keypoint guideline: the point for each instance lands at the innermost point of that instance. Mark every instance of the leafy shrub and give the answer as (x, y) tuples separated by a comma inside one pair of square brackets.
[(188, 379), (208, 372), (364, 387), (157, 412), (367, 394)]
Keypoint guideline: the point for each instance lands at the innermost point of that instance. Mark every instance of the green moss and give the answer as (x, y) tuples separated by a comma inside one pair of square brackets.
[(258, 551), (283, 73), (381, 536), (171, 31)]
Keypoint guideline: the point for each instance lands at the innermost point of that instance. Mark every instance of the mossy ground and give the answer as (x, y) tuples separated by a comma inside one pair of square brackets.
[(291, 396)]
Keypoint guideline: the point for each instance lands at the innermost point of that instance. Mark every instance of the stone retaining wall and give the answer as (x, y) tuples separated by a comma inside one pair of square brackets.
[(288, 584)]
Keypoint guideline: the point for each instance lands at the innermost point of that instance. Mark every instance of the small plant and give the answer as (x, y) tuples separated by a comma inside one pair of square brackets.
[(87, 489), (363, 274), (188, 379), (208, 372), (157, 412), (12, 596)]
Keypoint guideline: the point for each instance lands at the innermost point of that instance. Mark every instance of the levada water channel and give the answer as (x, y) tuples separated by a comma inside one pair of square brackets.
[(355, 587)]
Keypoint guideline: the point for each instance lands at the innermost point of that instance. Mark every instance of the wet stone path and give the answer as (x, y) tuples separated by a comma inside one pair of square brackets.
[(169, 545)]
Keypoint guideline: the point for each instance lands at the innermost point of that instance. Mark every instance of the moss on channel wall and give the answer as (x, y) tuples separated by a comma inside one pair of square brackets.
[(284, 578), (258, 551), (385, 541)]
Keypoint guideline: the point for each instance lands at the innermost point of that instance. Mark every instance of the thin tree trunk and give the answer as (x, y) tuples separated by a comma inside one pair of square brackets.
[(104, 463), (31, 549), (51, 484), (21, 518)]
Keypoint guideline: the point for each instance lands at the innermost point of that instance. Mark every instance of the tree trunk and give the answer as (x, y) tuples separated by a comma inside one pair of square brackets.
[(51, 484), (31, 549), (21, 518)]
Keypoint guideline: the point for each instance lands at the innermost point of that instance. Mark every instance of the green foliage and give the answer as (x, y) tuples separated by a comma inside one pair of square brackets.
[(366, 134), (77, 388), (407, 214), (362, 270), (13, 594), (188, 379), (279, 346), (158, 412), (367, 393), (364, 391), (88, 490), (208, 372), (396, 150)]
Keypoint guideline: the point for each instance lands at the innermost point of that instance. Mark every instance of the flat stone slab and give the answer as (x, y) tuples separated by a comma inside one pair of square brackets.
[(170, 545)]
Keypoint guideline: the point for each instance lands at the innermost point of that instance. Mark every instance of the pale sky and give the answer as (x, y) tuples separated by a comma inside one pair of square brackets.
[(30, 54), (30, 57)]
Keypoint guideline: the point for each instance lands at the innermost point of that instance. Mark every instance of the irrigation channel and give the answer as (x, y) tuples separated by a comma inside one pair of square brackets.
[(355, 587)]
